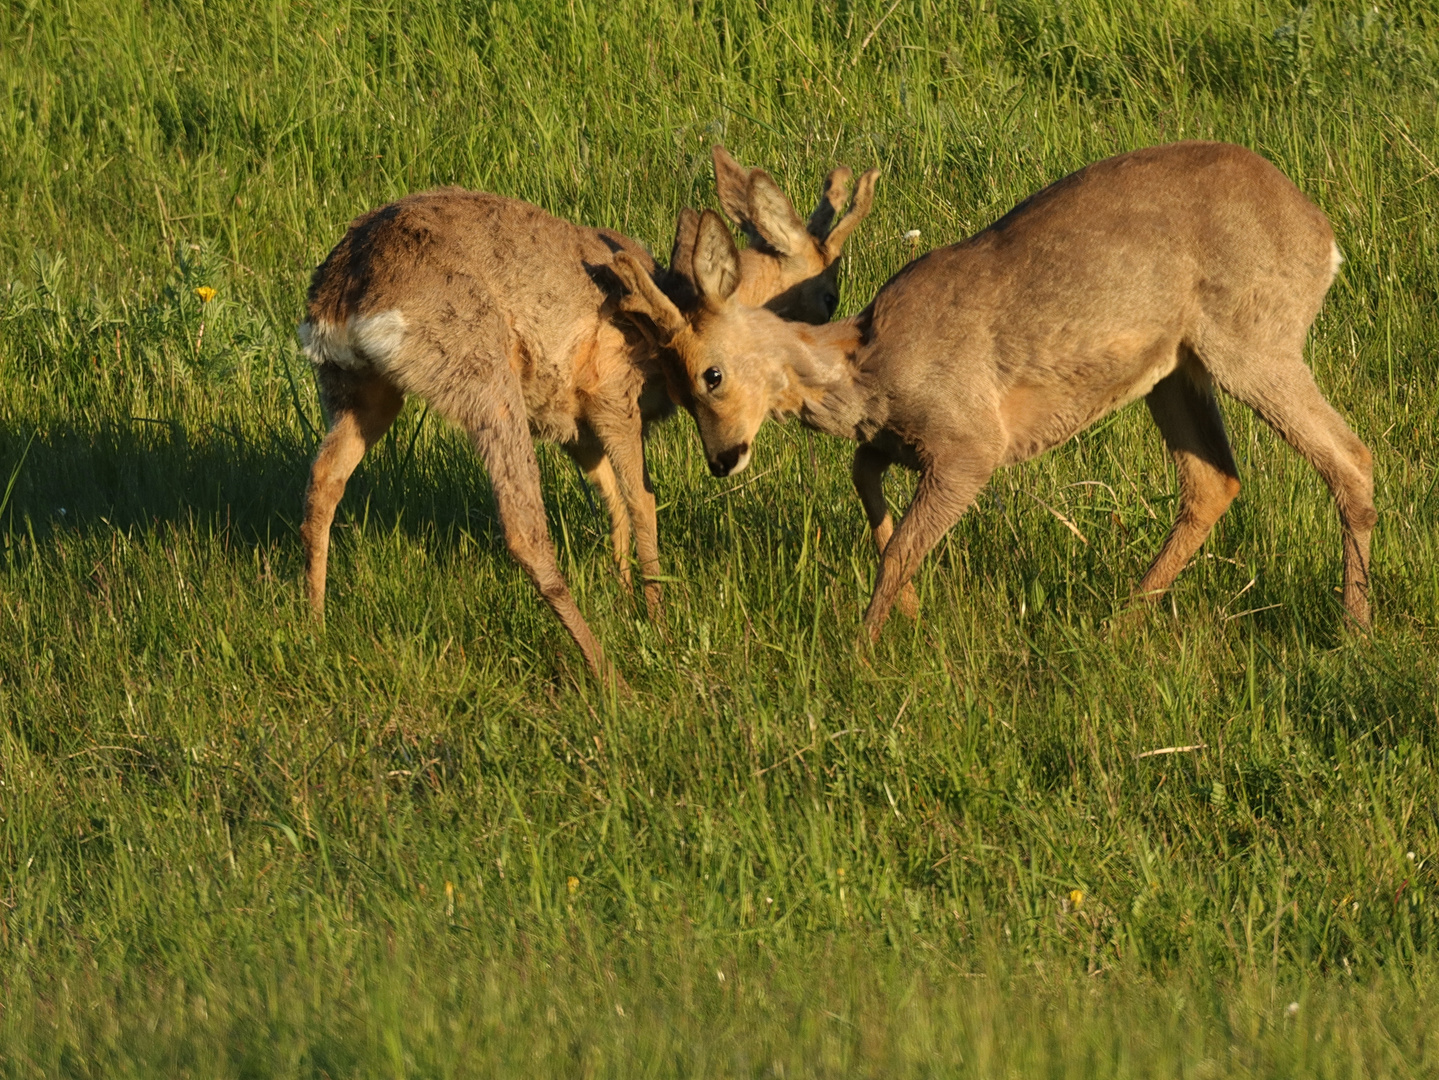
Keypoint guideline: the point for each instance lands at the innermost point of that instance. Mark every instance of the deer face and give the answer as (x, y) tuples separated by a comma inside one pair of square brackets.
[(800, 289), (732, 362)]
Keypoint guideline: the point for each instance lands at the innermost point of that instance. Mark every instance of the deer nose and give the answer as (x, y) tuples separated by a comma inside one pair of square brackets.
[(723, 464)]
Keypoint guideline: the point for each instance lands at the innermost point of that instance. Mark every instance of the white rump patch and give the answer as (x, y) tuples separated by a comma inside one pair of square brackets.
[(1335, 258), (364, 342), (378, 336)]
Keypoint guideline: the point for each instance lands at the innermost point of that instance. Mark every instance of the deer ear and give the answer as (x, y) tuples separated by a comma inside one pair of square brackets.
[(831, 201), (732, 186), (682, 255), (773, 216), (858, 209), (643, 296), (716, 262)]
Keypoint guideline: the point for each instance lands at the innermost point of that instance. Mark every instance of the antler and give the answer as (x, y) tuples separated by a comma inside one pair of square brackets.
[(858, 210), (831, 199)]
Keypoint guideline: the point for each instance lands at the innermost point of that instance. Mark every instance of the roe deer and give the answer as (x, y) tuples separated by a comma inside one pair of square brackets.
[(504, 319), (1158, 274)]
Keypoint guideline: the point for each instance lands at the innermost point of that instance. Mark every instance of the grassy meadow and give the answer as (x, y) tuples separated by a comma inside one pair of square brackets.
[(421, 842)]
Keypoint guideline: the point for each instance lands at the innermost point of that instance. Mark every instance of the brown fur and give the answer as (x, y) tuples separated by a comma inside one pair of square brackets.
[(1157, 274), (505, 320)]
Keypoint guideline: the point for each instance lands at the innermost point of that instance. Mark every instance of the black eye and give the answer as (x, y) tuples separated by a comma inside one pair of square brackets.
[(830, 303), (713, 377)]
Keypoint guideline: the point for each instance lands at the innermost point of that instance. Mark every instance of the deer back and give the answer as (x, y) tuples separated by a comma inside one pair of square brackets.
[(453, 286), (1081, 297)]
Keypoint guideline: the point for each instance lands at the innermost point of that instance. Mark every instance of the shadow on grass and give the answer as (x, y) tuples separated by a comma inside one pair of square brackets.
[(1373, 694), (124, 474), (131, 473)]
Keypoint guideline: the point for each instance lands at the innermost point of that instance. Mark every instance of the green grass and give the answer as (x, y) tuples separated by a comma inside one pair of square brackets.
[(422, 843)]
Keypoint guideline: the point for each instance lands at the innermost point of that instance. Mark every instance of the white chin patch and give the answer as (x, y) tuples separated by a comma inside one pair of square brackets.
[(739, 466)]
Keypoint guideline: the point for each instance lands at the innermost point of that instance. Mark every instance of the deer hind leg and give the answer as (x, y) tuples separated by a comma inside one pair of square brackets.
[(1188, 417), (592, 460), (1281, 389), (947, 486), (361, 408), (501, 437), (623, 438), (870, 465)]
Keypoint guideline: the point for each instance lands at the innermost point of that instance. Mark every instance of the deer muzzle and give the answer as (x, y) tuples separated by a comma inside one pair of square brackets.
[(730, 461)]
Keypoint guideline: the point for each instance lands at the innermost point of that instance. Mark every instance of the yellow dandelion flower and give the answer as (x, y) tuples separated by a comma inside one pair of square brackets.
[(1076, 897), (572, 883), (205, 293)]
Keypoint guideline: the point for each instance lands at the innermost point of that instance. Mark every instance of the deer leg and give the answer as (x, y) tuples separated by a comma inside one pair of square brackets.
[(362, 408), (1188, 417), (946, 488), (595, 463), (623, 438), (870, 465), (502, 439), (1281, 389)]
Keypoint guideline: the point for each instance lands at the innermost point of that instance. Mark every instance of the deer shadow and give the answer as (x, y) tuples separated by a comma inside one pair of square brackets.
[(127, 474)]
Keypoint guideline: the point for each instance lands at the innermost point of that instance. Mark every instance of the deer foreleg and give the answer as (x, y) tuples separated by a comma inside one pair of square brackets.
[(623, 439), (870, 465), (946, 488)]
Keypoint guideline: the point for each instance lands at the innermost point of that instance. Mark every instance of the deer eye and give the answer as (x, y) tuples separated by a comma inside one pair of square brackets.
[(713, 377)]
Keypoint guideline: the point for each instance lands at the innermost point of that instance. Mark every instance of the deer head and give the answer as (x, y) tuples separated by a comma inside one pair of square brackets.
[(730, 364)]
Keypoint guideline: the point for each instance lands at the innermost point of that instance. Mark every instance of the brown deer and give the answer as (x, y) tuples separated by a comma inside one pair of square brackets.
[(1158, 274), (505, 320)]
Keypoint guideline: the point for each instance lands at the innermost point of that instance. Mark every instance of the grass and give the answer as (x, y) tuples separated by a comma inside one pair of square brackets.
[(422, 843)]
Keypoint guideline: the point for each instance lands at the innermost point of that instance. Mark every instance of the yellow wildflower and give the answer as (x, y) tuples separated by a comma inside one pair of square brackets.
[(572, 883), (1076, 897), (205, 293)]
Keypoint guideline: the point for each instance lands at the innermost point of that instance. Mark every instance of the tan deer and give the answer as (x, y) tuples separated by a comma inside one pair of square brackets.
[(1158, 274), (504, 319)]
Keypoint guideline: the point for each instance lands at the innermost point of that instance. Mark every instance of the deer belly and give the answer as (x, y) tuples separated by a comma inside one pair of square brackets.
[(1037, 417)]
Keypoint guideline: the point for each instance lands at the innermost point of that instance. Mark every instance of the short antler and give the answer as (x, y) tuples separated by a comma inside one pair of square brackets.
[(831, 201), (858, 210)]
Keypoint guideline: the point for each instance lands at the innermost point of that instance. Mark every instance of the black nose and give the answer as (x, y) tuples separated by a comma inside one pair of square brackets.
[(723, 464)]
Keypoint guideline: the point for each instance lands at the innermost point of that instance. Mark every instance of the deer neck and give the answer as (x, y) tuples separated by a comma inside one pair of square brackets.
[(824, 386)]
